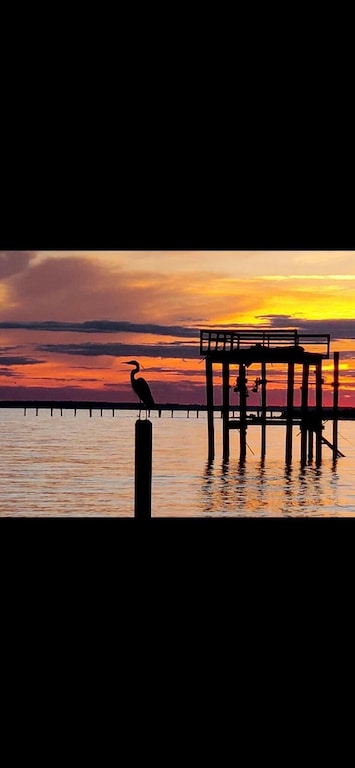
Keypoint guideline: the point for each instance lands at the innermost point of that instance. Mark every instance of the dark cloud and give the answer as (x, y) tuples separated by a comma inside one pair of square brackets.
[(10, 374), (103, 326), (13, 262), (18, 360), (338, 328), (71, 286), (133, 351)]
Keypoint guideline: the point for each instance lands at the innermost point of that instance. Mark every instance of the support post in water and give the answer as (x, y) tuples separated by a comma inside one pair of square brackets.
[(143, 469), (209, 387), (335, 405), (290, 396), (225, 409), (263, 407)]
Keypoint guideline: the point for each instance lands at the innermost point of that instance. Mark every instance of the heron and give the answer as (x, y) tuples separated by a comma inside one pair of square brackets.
[(141, 387)]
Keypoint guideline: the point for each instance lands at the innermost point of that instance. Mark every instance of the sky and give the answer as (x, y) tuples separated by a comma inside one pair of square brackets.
[(69, 319)]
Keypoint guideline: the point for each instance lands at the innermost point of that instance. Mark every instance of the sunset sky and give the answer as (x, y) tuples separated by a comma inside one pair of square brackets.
[(69, 319)]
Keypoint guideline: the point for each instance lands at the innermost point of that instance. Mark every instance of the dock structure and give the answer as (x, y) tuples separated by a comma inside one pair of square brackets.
[(242, 349)]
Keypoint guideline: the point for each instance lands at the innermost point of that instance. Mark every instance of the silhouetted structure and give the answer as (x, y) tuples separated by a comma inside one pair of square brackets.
[(243, 348)]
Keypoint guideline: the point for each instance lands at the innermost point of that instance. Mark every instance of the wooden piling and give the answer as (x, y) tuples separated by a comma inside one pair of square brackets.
[(290, 396), (225, 409), (304, 412), (310, 444), (209, 398), (335, 404), (263, 409), (143, 469)]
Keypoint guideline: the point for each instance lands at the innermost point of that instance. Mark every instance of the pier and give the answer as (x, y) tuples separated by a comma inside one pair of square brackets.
[(242, 349)]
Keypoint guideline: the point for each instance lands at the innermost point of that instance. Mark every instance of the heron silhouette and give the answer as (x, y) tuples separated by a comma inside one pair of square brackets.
[(141, 387)]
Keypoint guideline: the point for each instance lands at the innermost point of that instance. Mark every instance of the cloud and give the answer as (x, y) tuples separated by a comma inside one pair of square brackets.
[(131, 351), (13, 262), (75, 287), (103, 326), (10, 374), (338, 328), (18, 360)]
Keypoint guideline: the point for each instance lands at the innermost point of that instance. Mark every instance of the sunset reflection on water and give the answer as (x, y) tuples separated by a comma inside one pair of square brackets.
[(66, 466)]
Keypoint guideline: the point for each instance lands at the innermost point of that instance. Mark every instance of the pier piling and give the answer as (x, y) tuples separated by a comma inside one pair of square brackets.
[(263, 409), (209, 393), (335, 404), (289, 417), (143, 469)]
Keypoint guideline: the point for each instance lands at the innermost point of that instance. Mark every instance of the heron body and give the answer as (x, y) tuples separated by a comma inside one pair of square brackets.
[(140, 386)]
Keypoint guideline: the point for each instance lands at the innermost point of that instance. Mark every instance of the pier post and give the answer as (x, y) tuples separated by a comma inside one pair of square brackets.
[(225, 409), (209, 393), (335, 404), (310, 444), (242, 411), (319, 412), (304, 412), (143, 469), (289, 426), (263, 409)]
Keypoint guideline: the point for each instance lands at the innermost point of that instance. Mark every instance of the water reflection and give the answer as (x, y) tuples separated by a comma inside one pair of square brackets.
[(233, 488), (239, 488), (70, 466)]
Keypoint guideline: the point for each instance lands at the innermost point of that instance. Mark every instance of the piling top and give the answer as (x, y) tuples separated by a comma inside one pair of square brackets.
[(253, 345)]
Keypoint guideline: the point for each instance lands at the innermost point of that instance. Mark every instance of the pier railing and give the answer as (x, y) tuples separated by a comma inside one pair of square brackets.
[(228, 341)]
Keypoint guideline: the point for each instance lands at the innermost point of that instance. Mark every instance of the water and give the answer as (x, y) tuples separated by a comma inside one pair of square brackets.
[(82, 466)]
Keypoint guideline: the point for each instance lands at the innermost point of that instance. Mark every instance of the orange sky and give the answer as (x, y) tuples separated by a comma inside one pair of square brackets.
[(178, 293)]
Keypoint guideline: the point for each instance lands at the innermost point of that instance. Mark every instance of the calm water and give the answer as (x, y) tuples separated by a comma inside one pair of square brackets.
[(82, 466)]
